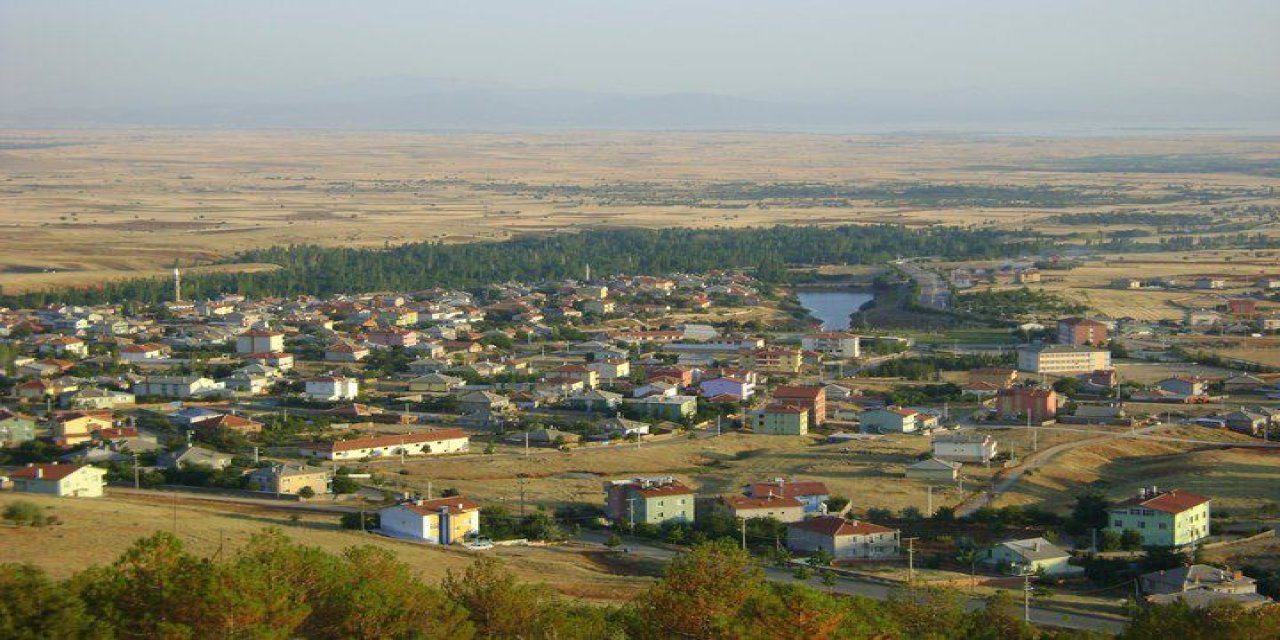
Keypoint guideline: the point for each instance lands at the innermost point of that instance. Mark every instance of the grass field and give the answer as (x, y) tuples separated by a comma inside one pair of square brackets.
[(101, 202), (97, 531), (1237, 479)]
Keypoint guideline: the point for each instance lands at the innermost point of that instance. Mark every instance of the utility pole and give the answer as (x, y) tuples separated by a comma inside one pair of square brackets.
[(1094, 545), (136, 482), (911, 559), (428, 489), (526, 441), (929, 512), (631, 513), (1026, 597), (522, 483)]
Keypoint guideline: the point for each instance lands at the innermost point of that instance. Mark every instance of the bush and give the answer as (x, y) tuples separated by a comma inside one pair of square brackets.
[(23, 513), (307, 492)]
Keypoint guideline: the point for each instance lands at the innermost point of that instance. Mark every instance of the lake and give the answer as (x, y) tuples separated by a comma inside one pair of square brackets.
[(833, 307)]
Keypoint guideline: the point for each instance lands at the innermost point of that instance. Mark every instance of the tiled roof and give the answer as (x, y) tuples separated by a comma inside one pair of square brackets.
[(390, 440), (837, 526), (790, 489), (456, 505), (51, 472), (1175, 501)]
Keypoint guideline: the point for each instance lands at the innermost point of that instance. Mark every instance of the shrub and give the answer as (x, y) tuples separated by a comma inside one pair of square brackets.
[(23, 513)]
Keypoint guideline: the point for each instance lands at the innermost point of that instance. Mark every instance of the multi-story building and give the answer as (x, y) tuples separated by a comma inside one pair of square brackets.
[(1172, 518), (812, 398), (779, 508), (291, 479), (178, 387), (840, 345), (843, 538), (1081, 331), (332, 388), (259, 341), (1036, 403), (774, 359), (648, 501), (1062, 358), (781, 420), (964, 447)]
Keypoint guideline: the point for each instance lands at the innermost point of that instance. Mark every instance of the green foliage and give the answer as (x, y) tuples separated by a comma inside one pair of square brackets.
[(24, 513), (928, 367), (326, 270), (836, 504), (1016, 303), (1130, 540), (33, 607)]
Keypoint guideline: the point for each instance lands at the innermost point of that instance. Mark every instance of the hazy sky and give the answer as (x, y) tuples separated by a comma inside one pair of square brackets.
[(106, 52)]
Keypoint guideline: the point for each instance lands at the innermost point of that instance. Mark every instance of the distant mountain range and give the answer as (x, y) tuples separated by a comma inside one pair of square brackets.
[(431, 104)]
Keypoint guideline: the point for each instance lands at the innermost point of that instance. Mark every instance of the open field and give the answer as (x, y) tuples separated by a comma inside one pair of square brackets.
[(1238, 480), (869, 472), (97, 531), (95, 202)]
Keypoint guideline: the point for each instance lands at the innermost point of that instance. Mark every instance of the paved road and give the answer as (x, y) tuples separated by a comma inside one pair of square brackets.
[(882, 590), (934, 293)]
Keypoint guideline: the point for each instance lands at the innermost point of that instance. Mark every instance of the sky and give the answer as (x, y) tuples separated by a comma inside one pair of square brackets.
[(105, 53)]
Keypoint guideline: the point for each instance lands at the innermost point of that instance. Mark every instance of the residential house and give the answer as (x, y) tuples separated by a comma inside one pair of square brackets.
[(655, 501), (238, 424), (734, 387), (588, 377), (63, 480), (137, 353), (259, 341), (965, 447), (190, 386), (840, 345), (811, 493), (1030, 555), (781, 420), (933, 469), (619, 427), (191, 455), (1200, 585), (345, 353), (774, 359), (451, 520), (1172, 518), (891, 419), (332, 389), (843, 539), (665, 407), (436, 442), (63, 347), (291, 479), (812, 398), (15, 428), (96, 398), (70, 428), (611, 370), (779, 508), (1022, 403), (435, 384), (1247, 421), (1185, 386), (1082, 331)]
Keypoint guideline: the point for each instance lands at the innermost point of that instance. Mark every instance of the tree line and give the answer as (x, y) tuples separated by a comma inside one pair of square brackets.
[(276, 588), (316, 270)]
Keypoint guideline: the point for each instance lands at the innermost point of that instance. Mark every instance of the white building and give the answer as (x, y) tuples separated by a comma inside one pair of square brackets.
[(258, 341), (142, 352), (442, 521), (1063, 358), (332, 389), (64, 480), (840, 345), (964, 447), (439, 441), (178, 387)]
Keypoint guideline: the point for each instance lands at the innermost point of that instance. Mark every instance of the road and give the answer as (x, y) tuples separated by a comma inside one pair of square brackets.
[(934, 293), (882, 590), (1045, 456)]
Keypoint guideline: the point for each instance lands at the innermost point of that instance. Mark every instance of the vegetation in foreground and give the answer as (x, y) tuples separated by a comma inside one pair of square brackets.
[(277, 588)]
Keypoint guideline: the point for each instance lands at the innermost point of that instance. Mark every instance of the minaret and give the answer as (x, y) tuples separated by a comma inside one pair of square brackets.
[(177, 285)]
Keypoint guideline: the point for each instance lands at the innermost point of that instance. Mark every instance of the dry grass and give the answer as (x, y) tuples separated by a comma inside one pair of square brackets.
[(112, 201), (1237, 479), (97, 531)]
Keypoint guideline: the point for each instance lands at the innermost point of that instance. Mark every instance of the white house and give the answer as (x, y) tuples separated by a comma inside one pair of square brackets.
[(178, 387), (436, 442), (964, 447), (258, 341), (1032, 555), (142, 352), (64, 480), (332, 388), (840, 345), (441, 521)]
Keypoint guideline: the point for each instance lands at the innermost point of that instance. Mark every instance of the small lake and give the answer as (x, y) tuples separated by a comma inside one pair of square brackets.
[(833, 307)]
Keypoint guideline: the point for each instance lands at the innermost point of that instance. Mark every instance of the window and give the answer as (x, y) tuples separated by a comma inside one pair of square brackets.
[(1118, 524)]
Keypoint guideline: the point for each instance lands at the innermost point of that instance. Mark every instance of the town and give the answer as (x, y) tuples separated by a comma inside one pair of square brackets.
[(640, 413)]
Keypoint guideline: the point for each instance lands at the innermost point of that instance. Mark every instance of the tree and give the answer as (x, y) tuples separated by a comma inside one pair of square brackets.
[(307, 492), (836, 504), (700, 595), (498, 605), (341, 485), (1089, 512), (1130, 540), (970, 556), (33, 607), (613, 541)]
